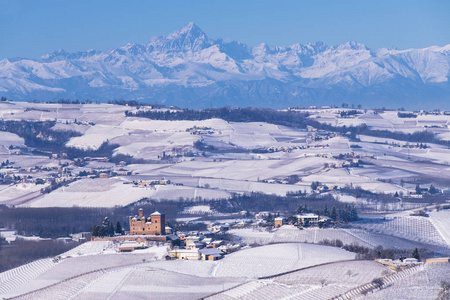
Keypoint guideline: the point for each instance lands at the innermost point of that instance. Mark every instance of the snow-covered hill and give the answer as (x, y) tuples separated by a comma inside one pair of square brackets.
[(187, 68)]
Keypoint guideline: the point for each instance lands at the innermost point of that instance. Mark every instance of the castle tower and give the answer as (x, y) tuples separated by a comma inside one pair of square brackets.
[(158, 220), (141, 213)]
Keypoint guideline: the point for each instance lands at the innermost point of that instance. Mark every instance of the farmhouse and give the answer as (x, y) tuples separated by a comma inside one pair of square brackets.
[(211, 254), (130, 246), (438, 260), (313, 219), (410, 260), (153, 225), (193, 244), (186, 254), (310, 218)]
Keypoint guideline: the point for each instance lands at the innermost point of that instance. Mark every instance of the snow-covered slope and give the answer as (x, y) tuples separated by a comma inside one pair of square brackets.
[(189, 69)]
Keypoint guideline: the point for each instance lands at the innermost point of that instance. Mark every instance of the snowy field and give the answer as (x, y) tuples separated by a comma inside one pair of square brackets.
[(387, 120), (441, 221), (91, 259), (8, 139), (95, 136), (94, 271), (112, 192), (320, 282), (420, 229), (221, 173), (15, 194), (278, 258), (424, 284), (290, 234)]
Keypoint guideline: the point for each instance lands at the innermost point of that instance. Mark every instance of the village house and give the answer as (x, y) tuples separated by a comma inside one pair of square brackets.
[(262, 215), (130, 246), (194, 244), (229, 248), (279, 221), (169, 230), (186, 254), (312, 219), (210, 254), (81, 237), (219, 228), (438, 260), (207, 241), (217, 244), (153, 225)]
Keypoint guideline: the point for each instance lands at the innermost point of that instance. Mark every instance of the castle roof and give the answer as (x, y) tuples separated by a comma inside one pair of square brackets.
[(157, 213)]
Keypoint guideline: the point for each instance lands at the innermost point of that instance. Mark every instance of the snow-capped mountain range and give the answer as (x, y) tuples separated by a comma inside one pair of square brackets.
[(188, 69)]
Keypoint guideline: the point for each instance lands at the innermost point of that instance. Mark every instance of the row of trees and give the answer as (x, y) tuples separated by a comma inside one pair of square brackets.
[(107, 229)]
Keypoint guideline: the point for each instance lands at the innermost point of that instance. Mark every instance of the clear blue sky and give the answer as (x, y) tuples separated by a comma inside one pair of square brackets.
[(33, 28)]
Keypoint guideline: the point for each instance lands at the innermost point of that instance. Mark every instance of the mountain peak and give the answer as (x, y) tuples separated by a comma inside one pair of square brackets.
[(57, 53), (190, 30), (191, 26), (352, 45), (189, 37)]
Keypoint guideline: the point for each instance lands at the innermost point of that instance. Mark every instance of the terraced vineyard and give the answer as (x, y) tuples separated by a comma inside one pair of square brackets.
[(363, 236), (19, 276), (419, 229), (424, 284), (441, 220), (320, 282)]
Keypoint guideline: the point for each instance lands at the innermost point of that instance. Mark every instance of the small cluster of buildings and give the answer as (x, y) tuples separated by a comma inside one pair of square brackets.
[(201, 246), (149, 183), (317, 136), (192, 246), (290, 148), (200, 130), (322, 188), (308, 219), (433, 113), (397, 263), (345, 164)]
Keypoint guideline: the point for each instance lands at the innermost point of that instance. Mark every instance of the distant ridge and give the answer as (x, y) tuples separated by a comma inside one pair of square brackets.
[(188, 69)]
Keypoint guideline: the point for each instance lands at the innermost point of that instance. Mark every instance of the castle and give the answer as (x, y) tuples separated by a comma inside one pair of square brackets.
[(154, 225)]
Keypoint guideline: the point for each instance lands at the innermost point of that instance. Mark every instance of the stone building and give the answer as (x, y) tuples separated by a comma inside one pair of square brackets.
[(155, 224), (279, 221)]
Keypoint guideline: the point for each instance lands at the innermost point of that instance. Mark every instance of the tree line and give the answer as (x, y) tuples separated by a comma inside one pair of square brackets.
[(54, 222), (256, 202)]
